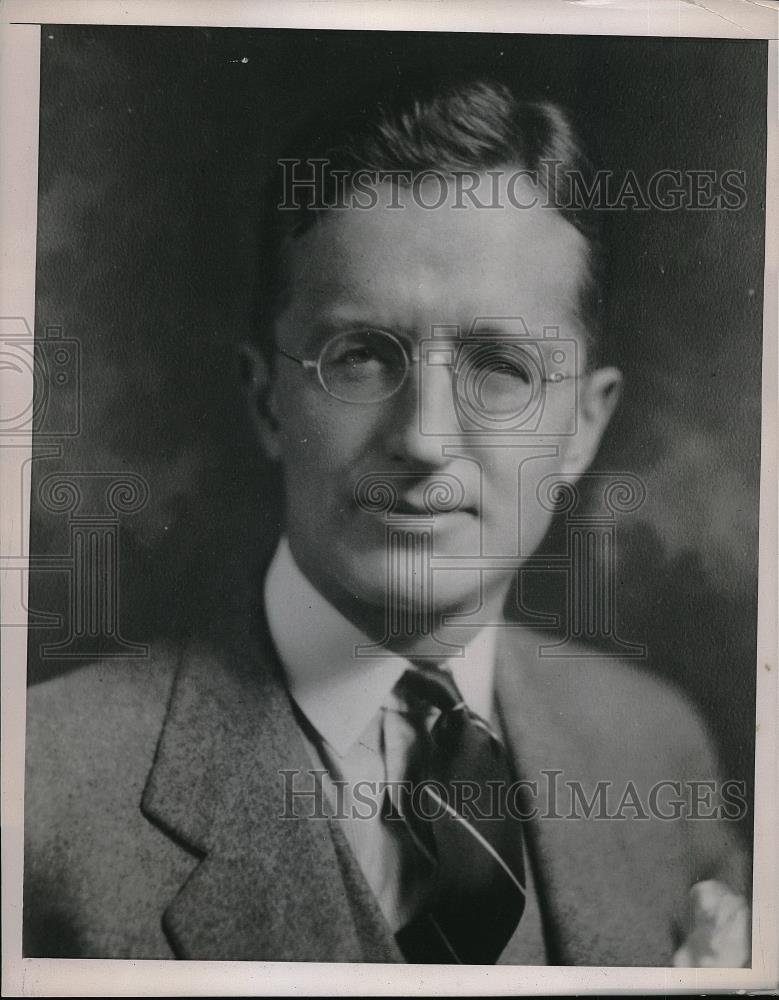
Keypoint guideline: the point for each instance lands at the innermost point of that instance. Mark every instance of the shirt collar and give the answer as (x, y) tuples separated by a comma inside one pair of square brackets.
[(339, 692)]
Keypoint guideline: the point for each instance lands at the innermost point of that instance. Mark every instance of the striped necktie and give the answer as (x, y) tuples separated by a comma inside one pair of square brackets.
[(457, 781)]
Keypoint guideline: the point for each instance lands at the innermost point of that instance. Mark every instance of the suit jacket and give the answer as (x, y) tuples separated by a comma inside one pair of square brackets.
[(154, 804)]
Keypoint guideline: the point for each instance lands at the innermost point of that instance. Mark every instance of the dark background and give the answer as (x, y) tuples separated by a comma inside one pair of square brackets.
[(153, 142)]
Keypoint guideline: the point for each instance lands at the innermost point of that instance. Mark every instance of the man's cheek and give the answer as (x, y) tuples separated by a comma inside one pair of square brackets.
[(532, 516), (503, 499)]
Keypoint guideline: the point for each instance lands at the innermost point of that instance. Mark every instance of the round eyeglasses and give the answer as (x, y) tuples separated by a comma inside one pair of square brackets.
[(499, 375)]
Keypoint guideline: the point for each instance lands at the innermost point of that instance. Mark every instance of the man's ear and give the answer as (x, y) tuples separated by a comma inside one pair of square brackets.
[(599, 393), (259, 385)]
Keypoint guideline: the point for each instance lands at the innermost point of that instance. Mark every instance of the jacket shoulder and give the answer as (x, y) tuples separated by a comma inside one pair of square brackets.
[(92, 734), (108, 698), (619, 704)]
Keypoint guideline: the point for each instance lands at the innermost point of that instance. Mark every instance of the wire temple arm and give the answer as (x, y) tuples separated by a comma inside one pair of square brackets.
[(304, 362)]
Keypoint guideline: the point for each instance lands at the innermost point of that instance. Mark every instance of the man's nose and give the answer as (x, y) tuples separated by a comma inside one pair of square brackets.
[(423, 418)]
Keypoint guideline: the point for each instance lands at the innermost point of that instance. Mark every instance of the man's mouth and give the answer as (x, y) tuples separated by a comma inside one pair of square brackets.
[(413, 507)]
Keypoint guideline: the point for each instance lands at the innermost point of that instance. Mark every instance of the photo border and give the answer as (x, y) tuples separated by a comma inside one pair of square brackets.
[(19, 94)]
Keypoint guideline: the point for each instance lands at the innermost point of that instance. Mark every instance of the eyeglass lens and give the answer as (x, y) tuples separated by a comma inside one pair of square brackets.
[(362, 366)]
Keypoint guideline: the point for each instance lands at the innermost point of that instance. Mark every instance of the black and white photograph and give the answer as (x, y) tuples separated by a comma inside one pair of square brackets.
[(385, 559)]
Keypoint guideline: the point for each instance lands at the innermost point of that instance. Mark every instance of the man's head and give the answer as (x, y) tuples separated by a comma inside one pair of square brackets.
[(430, 311)]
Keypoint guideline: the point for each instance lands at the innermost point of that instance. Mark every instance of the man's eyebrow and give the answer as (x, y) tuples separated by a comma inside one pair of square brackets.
[(495, 329), (326, 325), (339, 320)]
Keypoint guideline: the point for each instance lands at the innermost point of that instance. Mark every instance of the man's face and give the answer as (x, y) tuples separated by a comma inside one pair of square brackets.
[(408, 271)]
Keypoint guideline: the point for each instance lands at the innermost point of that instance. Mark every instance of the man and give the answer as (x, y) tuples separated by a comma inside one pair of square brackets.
[(426, 367)]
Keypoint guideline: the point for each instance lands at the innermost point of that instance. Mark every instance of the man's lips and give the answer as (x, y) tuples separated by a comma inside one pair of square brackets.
[(407, 495), (410, 507)]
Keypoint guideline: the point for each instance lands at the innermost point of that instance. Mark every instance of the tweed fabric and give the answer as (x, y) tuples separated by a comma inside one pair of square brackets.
[(153, 806)]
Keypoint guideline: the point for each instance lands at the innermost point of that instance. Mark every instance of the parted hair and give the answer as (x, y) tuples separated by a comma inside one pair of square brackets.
[(414, 127)]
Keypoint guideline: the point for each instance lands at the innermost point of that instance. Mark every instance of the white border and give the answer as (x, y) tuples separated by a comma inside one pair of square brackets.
[(685, 18), (18, 207), (19, 90)]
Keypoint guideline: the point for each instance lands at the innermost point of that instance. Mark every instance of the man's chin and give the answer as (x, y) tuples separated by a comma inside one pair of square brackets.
[(400, 591)]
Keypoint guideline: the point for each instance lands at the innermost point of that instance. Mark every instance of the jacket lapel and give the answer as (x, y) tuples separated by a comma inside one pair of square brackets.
[(272, 881), (601, 883)]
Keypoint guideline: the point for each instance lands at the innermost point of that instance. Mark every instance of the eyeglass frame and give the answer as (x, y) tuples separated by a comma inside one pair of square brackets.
[(315, 364)]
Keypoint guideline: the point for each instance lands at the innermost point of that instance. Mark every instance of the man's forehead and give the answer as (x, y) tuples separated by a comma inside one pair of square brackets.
[(347, 313), (518, 206), (451, 263)]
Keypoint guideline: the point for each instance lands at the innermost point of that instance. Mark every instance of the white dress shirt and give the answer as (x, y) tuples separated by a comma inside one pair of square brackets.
[(363, 730)]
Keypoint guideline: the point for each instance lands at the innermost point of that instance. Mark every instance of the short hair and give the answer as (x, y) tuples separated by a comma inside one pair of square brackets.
[(441, 125)]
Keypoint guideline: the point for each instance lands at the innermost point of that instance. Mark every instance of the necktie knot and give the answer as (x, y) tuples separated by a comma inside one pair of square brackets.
[(435, 686)]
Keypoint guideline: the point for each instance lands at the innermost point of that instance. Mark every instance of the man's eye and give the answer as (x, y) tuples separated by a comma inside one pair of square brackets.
[(505, 366), (512, 369), (363, 352), (354, 357)]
